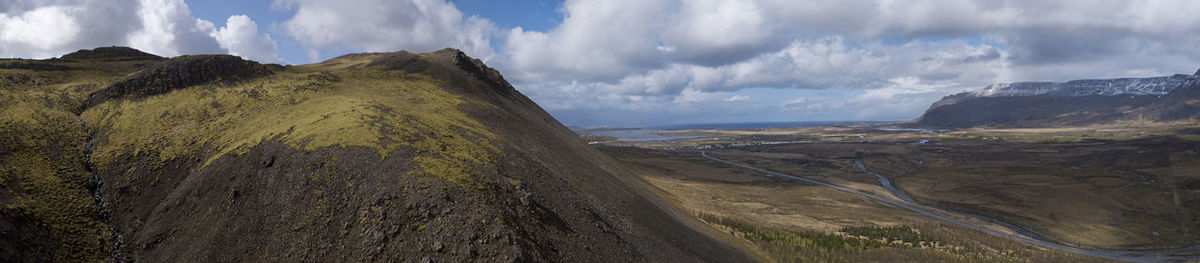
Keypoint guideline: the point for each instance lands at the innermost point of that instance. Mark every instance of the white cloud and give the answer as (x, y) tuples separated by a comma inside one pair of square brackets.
[(882, 58), (906, 85), (240, 37), (714, 32), (597, 41), (168, 29), (737, 98), (42, 29), (385, 25), (38, 31)]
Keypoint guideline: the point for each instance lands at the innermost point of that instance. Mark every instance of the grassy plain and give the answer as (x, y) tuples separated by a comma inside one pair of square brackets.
[(796, 222), (1113, 186)]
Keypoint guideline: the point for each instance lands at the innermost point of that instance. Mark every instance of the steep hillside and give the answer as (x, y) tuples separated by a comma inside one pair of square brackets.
[(365, 157), (47, 208), (1182, 104), (1072, 103)]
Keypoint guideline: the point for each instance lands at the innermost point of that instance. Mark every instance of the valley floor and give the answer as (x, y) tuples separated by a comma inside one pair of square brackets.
[(1128, 190)]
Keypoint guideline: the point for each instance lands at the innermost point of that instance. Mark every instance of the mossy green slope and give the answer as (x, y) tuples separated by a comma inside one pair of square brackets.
[(44, 181), (43, 146), (306, 107)]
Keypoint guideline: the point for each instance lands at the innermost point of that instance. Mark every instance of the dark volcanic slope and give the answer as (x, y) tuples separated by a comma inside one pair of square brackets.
[(365, 157), (1181, 104), (1031, 111), (180, 72), (1072, 103)]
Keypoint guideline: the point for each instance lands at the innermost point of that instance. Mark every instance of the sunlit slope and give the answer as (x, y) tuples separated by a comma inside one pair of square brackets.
[(374, 156)]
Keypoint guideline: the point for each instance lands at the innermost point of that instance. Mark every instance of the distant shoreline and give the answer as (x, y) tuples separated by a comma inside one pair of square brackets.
[(730, 126), (605, 129)]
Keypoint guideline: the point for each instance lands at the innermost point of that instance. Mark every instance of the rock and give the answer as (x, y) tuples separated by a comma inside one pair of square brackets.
[(180, 72)]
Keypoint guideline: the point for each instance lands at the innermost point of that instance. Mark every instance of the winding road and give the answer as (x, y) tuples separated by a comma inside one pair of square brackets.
[(1025, 236)]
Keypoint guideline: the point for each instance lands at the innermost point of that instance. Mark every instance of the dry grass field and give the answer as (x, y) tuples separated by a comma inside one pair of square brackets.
[(787, 221), (1116, 186), (1136, 194)]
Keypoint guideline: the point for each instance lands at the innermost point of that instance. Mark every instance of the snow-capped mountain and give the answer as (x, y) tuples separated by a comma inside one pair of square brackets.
[(1088, 87), (1071, 103)]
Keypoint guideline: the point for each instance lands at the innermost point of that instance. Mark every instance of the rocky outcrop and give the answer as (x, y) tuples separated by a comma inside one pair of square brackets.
[(181, 72), (451, 64)]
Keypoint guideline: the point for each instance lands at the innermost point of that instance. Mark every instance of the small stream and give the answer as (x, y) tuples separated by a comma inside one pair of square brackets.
[(105, 216), (887, 184)]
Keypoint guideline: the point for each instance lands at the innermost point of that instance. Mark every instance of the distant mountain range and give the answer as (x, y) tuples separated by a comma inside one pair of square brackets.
[(1071, 103)]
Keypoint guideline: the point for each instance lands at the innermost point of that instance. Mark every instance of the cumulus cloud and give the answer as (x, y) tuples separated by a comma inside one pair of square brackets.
[(41, 29), (385, 25), (597, 41), (240, 37), (878, 58), (715, 32), (737, 98), (37, 30), (168, 29)]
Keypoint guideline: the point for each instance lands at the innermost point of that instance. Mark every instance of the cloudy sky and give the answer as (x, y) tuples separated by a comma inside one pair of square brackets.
[(646, 62)]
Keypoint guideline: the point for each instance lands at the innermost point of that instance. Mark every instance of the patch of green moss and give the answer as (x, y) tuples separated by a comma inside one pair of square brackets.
[(890, 234), (43, 153), (308, 107)]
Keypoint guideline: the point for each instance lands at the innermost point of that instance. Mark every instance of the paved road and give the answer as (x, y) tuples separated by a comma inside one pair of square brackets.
[(910, 205)]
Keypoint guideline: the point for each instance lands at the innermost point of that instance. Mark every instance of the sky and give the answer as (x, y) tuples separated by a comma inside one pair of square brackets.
[(656, 62)]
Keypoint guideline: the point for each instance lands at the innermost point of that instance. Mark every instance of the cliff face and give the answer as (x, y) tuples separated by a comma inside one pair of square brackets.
[(364, 157), (1088, 87), (1051, 104)]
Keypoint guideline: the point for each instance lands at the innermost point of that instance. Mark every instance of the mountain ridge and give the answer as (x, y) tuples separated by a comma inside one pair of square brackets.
[(1058, 104), (374, 156), (1088, 87)]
